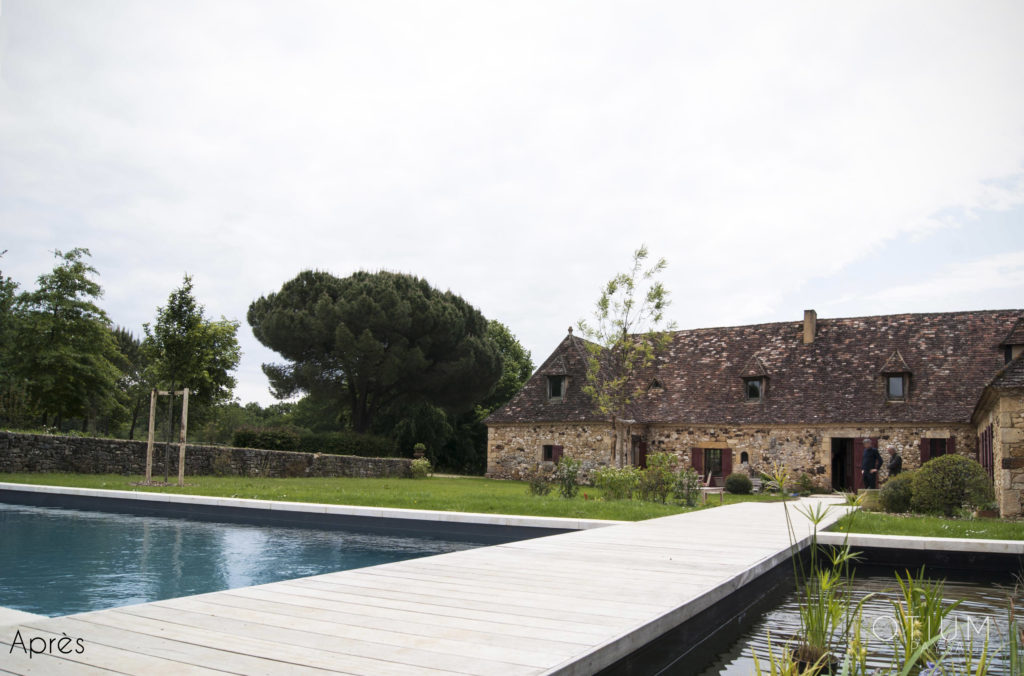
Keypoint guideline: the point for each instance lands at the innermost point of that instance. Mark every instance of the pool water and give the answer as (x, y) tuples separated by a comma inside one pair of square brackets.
[(62, 561), (982, 612)]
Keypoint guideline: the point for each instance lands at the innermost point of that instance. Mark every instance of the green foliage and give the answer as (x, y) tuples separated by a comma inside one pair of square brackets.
[(625, 338), (289, 438), (281, 438), (185, 349), (539, 482), (66, 352), (897, 493), (739, 483), (132, 387), (657, 478), (687, 486), (617, 483), (947, 483), (804, 484), (567, 476), (372, 340), (419, 449), (420, 468)]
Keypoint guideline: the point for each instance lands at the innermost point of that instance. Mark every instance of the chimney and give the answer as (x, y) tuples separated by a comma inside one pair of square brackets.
[(810, 326)]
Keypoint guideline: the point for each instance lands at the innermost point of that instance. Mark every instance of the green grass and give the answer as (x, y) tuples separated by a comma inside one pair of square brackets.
[(930, 526), (469, 494)]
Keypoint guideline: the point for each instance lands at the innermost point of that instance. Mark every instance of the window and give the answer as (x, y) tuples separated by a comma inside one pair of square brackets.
[(556, 387), (754, 388), (551, 453), (936, 447), (1007, 354), (713, 461), (896, 387)]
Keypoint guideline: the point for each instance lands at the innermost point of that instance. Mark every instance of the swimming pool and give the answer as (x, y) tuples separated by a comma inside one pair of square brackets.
[(60, 561)]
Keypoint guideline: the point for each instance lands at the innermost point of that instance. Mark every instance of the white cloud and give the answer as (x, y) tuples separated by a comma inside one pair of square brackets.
[(513, 153)]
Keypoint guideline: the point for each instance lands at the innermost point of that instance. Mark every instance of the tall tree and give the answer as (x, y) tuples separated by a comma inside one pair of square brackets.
[(374, 340), (66, 351), (626, 337), (133, 385), (185, 349), (15, 408)]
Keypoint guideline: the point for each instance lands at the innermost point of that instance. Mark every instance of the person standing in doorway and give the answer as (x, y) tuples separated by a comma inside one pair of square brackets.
[(895, 465), (870, 465)]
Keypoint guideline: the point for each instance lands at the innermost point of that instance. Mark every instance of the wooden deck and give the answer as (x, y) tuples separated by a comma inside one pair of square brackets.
[(570, 604)]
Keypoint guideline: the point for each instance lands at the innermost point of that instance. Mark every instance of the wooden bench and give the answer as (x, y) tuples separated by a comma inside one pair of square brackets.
[(708, 488)]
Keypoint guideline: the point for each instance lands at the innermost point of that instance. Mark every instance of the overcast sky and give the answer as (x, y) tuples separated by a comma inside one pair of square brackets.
[(853, 157)]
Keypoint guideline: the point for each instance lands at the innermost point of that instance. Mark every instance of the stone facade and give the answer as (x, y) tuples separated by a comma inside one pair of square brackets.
[(802, 449), (514, 451), (1004, 412), (45, 453)]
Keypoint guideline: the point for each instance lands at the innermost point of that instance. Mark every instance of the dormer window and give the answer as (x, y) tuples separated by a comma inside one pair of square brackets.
[(556, 388), (754, 388), (896, 387)]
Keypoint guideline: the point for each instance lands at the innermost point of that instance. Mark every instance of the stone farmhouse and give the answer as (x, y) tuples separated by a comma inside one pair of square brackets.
[(804, 394)]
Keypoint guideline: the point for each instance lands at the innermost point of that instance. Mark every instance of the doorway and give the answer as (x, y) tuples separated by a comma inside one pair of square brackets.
[(843, 476)]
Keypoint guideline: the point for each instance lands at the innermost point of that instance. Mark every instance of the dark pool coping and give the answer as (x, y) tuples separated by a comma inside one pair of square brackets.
[(474, 527)]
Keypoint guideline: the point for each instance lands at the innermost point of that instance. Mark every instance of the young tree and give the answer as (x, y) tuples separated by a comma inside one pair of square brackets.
[(185, 349), (14, 403), (375, 340), (133, 386), (66, 350), (626, 337)]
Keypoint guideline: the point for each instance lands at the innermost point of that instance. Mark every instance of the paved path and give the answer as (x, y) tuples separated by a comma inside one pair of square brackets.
[(569, 603)]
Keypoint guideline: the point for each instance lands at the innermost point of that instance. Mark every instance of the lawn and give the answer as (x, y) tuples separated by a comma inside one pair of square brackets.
[(930, 526), (464, 494)]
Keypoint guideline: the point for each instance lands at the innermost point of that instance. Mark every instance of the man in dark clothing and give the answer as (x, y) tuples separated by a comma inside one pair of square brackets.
[(895, 465), (870, 465)]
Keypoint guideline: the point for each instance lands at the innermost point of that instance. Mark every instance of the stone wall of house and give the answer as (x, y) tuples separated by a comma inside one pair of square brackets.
[(803, 449), (1005, 412), (45, 453), (515, 450)]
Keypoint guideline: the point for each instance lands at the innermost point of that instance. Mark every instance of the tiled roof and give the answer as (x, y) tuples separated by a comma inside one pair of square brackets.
[(951, 357), (1016, 334), (1012, 375)]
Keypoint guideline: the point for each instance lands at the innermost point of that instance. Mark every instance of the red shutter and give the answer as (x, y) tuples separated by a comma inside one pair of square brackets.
[(950, 446), (858, 459), (726, 462), (556, 453), (697, 460), (926, 450)]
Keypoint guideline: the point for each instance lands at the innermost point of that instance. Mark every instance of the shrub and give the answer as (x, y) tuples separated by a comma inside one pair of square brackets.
[(897, 492), (686, 489), (567, 476), (805, 485), (739, 484), (279, 438), (539, 481), (949, 482), (420, 468), (616, 483), (656, 479)]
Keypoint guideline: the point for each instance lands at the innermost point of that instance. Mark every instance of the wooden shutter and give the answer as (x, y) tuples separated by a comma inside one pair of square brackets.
[(642, 454), (858, 459), (697, 461), (726, 462), (950, 446), (926, 450), (556, 453)]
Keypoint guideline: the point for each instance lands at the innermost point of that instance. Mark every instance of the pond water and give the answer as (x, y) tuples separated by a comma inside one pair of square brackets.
[(61, 561), (983, 611)]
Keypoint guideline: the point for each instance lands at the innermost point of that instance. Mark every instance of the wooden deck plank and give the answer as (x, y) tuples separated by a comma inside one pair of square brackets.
[(530, 607)]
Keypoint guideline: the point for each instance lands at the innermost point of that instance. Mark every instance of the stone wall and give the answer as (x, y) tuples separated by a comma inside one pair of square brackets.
[(803, 449), (1005, 412), (513, 450), (45, 453)]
